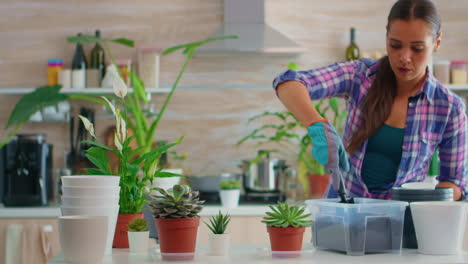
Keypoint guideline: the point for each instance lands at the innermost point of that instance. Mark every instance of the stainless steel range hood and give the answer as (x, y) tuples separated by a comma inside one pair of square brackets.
[(246, 19)]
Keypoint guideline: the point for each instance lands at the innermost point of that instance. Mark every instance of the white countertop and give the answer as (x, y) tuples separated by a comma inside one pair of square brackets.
[(53, 211), (260, 254)]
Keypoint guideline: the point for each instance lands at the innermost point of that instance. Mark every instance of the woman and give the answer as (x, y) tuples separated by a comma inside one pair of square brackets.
[(398, 113)]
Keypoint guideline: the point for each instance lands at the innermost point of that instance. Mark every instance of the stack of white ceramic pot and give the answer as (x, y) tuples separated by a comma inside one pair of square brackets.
[(93, 196)]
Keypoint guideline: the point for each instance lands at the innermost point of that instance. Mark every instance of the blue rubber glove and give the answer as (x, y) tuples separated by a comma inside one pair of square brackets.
[(328, 150)]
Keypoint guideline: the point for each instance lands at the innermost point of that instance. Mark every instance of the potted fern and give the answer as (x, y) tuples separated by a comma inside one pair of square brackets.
[(229, 193), (138, 235), (218, 241), (177, 220), (286, 225)]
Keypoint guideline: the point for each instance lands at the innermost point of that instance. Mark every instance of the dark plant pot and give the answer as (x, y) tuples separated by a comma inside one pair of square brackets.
[(318, 185), (286, 239), (121, 229), (177, 237)]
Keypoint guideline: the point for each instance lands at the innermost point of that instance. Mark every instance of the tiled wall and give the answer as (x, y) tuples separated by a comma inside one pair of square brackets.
[(212, 120)]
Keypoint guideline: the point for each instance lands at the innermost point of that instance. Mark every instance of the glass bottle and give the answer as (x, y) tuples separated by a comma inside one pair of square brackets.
[(79, 66), (98, 58), (352, 51)]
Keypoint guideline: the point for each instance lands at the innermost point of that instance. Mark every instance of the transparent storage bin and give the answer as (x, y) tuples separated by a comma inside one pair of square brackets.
[(368, 226)]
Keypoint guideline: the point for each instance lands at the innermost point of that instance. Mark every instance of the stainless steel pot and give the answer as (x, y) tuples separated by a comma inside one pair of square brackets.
[(267, 175)]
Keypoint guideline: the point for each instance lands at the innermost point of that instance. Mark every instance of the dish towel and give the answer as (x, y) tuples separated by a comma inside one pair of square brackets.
[(13, 246)]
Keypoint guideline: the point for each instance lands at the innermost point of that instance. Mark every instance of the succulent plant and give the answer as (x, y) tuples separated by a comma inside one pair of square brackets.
[(229, 185), (218, 223), (178, 202), (284, 215), (138, 225)]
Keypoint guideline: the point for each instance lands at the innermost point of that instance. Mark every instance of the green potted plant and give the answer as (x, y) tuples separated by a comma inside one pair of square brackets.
[(177, 220), (286, 225), (138, 235), (229, 193), (218, 240), (137, 167), (287, 138)]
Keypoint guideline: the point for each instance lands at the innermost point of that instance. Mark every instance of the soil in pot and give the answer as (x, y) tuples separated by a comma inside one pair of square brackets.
[(121, 229), (177, 237)]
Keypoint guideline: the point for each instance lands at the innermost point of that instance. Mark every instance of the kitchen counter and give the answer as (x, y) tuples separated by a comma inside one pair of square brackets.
[(259, 253), (53, 211)]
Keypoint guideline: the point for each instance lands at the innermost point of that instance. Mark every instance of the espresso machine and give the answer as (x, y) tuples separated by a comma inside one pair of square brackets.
[(26, 171), (263, 180)]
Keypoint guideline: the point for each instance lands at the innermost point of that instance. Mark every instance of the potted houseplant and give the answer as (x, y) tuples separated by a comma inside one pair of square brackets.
[(137, 167), (286, 225), (219, 241), (138, 235), (176, 216), (287, 137), (229, 193)]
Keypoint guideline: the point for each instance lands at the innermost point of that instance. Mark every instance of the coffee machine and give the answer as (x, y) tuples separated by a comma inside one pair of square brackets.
[(26, 171)]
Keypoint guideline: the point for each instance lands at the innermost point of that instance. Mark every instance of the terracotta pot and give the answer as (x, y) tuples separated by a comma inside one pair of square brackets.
[(177, 237), (318, 185), (286, 239), (121, 229)]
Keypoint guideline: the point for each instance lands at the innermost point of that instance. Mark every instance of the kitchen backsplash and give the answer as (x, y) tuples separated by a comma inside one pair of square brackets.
[(212, 120)]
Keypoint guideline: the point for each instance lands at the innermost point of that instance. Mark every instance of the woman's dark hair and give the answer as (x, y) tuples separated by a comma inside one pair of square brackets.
[(378, 102)]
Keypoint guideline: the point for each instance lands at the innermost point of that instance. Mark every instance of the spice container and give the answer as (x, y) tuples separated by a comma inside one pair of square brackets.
[(442, 71), (148, 65), (53, 67), (64, 78), (125, 66), (458, 72)]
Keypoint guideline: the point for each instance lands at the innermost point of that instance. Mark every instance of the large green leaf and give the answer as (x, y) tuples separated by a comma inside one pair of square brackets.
[(124, 41), (99, 158), (83, 39), (35, 101)]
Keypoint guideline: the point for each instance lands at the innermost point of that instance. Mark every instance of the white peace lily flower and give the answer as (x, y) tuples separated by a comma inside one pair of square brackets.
[(123, 129), (120, 88), (111, 106), (117, 142), (88, 125)]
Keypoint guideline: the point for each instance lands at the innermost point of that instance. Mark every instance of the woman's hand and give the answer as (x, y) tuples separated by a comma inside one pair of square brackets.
[(457, 195), (328, 149)]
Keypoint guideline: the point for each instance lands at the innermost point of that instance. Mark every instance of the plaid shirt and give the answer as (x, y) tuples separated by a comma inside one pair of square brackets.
[(436, 119)]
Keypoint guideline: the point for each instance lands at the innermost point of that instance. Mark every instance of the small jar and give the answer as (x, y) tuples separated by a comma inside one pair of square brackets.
[(458, 72), (125, 66), (148, 65), (442, 71), (53, 67)]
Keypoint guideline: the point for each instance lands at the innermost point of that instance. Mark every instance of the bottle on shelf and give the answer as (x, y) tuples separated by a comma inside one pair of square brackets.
[(79, 66), (98, 58), (53, 68), (352, 51)]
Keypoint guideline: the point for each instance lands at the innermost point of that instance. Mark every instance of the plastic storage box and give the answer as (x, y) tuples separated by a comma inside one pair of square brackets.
[(368, 226)]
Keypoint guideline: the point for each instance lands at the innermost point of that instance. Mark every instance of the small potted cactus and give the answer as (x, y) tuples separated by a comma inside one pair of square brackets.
[(229, 193), (176, 216), (219, 242), (138, 235), (286, 225)]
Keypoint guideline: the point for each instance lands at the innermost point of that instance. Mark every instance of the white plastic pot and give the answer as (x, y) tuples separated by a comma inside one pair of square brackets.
[(90, 181), (138, 241), (166, 182), (219, 244), (111, 201), (90, 191), (439, 226), (83, 238), (229, 198), (110, 212)]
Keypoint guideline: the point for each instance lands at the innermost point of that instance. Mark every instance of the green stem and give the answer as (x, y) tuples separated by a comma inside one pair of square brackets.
[(169, 96)]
